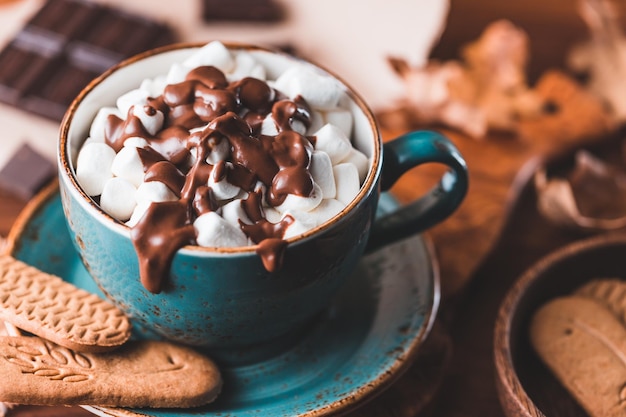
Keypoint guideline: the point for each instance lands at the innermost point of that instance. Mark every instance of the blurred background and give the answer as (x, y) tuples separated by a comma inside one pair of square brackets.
[(351, 39)]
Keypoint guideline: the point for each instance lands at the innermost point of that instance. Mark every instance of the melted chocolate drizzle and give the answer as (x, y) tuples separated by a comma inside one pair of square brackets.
[(167, 173), (224, 111)]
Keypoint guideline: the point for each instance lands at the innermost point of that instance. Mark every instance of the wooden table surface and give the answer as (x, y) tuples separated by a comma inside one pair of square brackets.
[(454, 375)]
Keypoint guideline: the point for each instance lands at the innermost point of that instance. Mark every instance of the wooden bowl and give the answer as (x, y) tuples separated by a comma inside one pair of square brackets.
[(525, 386)]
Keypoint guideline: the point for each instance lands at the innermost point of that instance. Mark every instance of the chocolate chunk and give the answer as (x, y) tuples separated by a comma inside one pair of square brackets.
[(26, 172), (65, 45), (243, 10)]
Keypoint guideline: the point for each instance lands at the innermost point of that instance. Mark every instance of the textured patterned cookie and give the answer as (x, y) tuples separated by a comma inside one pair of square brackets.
[(610, 292), (584, 345), (56, 310), (139, 374)]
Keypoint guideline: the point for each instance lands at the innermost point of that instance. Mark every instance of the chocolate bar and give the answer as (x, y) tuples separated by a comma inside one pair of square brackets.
[(242, 10), (26, 172), (114, 36), (65, 45)]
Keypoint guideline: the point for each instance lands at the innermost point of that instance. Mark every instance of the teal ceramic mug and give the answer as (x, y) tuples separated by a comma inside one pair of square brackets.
[(223, 298)]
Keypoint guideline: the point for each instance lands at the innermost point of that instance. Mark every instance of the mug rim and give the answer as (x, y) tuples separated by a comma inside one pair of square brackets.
[(68, 176)]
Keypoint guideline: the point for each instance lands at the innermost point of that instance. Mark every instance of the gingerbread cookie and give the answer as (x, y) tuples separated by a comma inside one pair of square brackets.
[(56, 310), (584, 345), (610, 292), (139, 374)]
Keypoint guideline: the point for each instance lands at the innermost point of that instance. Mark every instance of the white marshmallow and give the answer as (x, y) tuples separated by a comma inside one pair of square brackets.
[(342, 118), (241, 195), (96, 131), (263, 189), (272, 215), (91, 140), (215, 54), (345, 101), (233, 211), (197, 129), (154, 87), (138, 97), (136, 142), (322, 172), (127, 165), (154, 192), (319, 90), (268, 127), (219, 152), (213, 231), (246, 66), (258, 71), (191, 161), (193, 150), (285, 80), (317, 122), (151, 118), (222, 189), (177, 73), (118, 198), (302, 223), (138, 212), (299, 203), (347, 182), (327, 209), (305, 221), (298, 126), (359, 160), (93, 167), (334, 142)]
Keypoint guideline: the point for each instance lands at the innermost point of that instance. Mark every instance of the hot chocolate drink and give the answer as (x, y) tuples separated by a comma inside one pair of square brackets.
[(216, 155)]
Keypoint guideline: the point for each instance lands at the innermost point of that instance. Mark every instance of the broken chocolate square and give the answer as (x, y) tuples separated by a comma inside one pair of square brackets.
[(26, 172), (242, 10), (65, 45)]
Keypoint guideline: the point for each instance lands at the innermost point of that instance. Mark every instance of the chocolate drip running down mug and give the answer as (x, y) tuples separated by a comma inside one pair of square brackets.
[(222, 298)]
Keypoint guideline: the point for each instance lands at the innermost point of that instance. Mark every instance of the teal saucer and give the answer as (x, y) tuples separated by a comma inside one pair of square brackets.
[(351, 352)]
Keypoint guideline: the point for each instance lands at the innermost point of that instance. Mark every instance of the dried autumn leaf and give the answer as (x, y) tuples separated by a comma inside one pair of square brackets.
[(486, 91), (603, 57), (592, 197)]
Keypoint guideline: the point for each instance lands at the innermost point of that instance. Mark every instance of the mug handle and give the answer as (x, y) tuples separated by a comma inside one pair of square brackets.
[(399, 156)]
